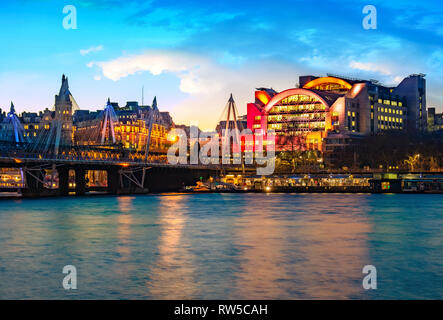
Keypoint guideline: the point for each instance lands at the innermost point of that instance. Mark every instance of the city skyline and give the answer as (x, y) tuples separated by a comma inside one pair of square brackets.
[(192, 55)]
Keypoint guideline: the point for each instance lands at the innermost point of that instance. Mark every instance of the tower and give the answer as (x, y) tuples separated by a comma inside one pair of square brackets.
[(63, 114)]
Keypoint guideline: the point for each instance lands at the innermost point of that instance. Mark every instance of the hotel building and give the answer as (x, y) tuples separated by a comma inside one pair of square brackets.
[(131, 127)]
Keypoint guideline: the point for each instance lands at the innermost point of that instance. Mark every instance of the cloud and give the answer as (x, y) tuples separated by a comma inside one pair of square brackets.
[(84, 52), (197, 74), (368, 66)]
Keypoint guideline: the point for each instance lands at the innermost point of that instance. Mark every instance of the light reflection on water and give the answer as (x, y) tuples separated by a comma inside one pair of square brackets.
[(223, 246)]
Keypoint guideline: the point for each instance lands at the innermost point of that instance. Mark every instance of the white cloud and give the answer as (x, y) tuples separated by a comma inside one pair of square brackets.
[(197, 74), (368, 66), (84, 52)]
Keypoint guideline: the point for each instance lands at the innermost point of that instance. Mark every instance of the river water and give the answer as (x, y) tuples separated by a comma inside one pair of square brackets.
[(223, 246)]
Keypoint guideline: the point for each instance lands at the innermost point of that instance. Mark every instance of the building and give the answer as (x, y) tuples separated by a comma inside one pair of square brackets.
[(130, 124), (67, 125), (11, 129), (328, 113), (242, 124), (64, 111), (435, 121)]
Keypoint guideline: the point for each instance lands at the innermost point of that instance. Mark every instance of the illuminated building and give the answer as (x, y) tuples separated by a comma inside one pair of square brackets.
[(65, 124), (64, 103), (325, 113), (131, 127), (11, 178)]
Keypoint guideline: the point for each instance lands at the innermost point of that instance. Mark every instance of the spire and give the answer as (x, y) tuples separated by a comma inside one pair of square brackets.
[(64, 89), (109, 101), (154, 103), (231, 99), (12, 111)]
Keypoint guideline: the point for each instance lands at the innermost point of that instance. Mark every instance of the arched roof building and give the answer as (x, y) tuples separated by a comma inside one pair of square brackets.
[(321, 107)]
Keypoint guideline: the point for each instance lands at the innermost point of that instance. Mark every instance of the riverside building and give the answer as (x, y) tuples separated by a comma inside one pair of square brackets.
[(328, 113), (69, 125)]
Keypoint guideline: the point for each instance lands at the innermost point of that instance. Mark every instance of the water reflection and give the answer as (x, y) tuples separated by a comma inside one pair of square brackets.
[(124, 222), (289, 253), (223, 246), (171, 276)]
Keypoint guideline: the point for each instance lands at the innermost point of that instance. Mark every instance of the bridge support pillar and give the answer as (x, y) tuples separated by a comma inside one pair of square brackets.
[(63, 181), (113, 180), (80, 181), (34, 183)]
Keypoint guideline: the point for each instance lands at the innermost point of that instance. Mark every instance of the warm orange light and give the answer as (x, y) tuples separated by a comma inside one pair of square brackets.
[(325, 80), (17, 160), (290, 92), (124, 164), (172, 137), (263, 96), (356, 90)]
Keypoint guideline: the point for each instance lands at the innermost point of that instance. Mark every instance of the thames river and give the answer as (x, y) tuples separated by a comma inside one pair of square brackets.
[(223, 246)]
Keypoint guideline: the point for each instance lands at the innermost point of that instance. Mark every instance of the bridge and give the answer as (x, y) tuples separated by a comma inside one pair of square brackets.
[(60, 159)]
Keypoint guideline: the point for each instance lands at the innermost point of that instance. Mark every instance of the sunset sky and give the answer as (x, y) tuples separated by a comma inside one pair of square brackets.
[(193, 54)]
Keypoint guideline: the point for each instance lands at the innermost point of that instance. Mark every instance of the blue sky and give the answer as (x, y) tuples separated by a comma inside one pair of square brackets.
[(193, 54)]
